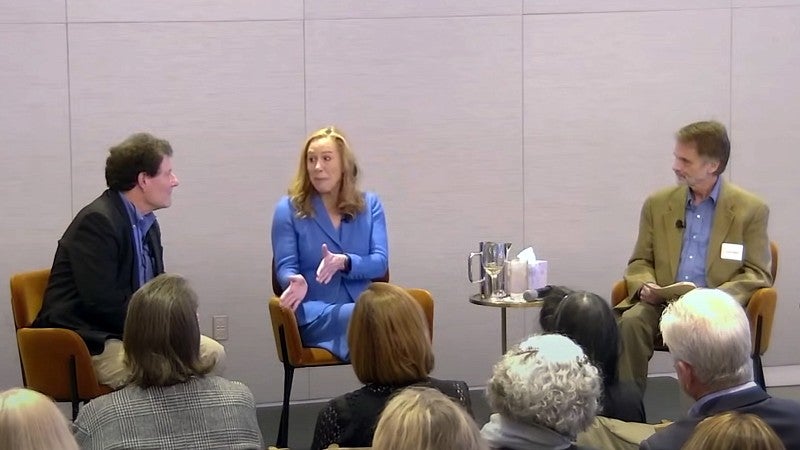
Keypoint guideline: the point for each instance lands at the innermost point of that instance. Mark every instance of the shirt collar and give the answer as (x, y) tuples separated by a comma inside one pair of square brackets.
[(134, 214), (698, 405), (714, 192)]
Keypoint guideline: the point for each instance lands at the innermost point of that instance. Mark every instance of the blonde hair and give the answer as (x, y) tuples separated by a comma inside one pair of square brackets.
[(301, 191), (733, 431), (162, 336), (425, 419), (388, 337), (31, 421)]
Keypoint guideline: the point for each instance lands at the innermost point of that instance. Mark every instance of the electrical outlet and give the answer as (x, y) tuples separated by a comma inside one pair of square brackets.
[(219, 328)]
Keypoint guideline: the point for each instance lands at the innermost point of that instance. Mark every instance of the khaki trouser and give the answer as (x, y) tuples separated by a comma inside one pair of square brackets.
[(638, 326), (112, 371), (614, 434)]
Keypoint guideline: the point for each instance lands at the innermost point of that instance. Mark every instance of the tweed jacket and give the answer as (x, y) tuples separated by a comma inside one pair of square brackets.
[(739, 218), (207, 412)]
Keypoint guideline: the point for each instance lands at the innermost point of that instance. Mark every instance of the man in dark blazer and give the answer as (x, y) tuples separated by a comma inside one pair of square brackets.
[(111, 248), (708, 336), (705, 230)]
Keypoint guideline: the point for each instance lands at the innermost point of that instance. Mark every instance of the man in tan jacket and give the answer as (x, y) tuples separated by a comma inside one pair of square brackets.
[(704, 230)]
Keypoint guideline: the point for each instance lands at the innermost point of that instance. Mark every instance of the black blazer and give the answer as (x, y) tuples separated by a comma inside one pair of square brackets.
[(781, 414), (95, 273)]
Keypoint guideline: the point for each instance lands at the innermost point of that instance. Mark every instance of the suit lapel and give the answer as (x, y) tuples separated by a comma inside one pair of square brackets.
[(125, 219), (723, 217), (323, 220), (675, 213), (155, 248)]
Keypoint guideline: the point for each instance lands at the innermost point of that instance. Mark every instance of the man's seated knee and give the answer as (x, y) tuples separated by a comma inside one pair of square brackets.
[(211, 350)]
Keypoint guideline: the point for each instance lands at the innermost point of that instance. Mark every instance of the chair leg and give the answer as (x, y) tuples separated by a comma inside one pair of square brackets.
[(73, 387), (283, 428), (758, 372), (758, 369)]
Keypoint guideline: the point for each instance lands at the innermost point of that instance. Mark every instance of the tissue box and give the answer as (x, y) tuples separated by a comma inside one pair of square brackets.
[(516, 276), (537, 274)]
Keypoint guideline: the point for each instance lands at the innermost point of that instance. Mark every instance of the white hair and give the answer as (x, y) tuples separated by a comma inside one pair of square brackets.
[(709, 330), (546, 380), (31, 421)]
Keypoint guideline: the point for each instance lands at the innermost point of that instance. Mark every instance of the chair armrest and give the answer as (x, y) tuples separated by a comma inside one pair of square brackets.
[(762, 305), (45, 354), (618, 292), (283, 319)]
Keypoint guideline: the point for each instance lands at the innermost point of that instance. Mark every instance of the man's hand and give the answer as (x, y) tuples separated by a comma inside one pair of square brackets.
[(330, 264), (295, 293), (647, 295)]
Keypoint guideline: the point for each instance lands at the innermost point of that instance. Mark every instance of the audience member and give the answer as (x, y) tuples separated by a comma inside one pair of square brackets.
[(708, 336), (171, 402), (31, 421), (390, 347), (587, 319), (425, 419), (733, 431), (544, 392), (551, 297)]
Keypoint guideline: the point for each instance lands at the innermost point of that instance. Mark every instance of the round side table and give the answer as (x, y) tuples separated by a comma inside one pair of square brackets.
[(503, 303)]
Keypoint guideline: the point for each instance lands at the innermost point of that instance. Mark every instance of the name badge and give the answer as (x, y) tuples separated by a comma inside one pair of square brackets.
[(732, 251)]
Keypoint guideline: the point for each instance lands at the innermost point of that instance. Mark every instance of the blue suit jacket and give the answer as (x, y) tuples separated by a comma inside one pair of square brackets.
[(780, 414), (297, 248)]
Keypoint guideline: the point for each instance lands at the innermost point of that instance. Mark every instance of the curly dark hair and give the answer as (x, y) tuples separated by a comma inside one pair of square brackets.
[(140, 152)]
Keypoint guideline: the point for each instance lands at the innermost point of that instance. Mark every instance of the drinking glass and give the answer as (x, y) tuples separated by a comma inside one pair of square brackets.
[(493, 260)]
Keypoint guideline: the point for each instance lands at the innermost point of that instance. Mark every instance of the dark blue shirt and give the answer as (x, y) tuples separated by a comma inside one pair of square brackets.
[(140, 225)]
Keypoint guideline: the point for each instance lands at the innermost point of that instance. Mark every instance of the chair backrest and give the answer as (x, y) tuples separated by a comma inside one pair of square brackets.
[(284, 327), (773, 248), (27, 295), (284, 322), (761, 309), (45, 353), (425, 300)]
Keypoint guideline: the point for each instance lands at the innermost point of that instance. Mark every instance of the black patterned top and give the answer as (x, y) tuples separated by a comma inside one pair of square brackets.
[(350, 419)]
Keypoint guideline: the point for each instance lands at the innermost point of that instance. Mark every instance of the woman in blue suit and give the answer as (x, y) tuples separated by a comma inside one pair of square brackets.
[(328, 241)]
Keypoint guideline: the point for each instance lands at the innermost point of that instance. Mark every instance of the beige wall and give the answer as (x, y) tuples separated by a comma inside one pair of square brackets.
[(536, 122)]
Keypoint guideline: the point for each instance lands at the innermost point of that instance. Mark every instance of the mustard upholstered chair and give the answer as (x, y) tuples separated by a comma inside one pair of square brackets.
[(294, 355), (53, 361), (760, 312)]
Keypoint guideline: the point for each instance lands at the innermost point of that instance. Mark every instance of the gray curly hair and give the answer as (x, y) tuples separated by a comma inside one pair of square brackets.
[(546, 380)]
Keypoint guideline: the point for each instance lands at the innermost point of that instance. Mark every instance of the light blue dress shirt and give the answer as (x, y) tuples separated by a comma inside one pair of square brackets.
[(698, 221)]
